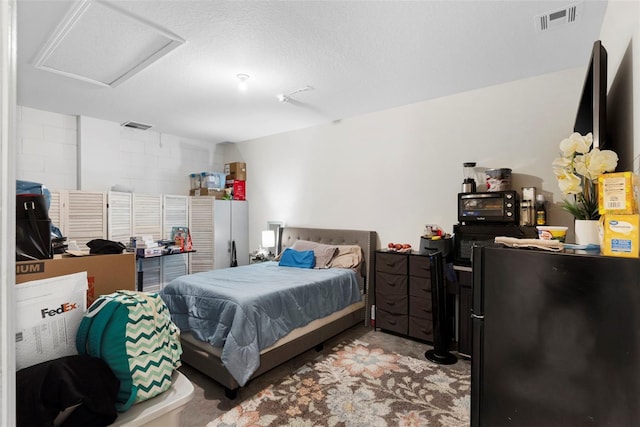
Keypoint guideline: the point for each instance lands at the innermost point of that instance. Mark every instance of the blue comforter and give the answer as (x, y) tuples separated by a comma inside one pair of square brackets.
[(246, 309)]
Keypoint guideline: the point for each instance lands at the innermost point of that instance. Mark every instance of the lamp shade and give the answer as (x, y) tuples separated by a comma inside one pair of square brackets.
[(268, 239)]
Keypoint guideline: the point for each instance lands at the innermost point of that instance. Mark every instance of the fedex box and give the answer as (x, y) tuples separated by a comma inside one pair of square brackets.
[(49, 312), (105, 273)]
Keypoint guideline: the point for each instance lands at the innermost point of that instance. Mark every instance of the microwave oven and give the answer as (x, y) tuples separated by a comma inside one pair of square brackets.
[(490, 207), (466, 237)]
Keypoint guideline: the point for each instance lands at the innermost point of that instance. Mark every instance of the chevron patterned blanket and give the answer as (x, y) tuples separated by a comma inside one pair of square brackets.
[(133, 333)]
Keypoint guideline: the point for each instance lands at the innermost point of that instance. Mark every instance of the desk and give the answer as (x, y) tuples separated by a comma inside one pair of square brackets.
[(140, 259)]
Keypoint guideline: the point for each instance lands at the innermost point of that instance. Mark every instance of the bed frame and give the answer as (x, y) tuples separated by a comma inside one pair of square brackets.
[(207, 359)]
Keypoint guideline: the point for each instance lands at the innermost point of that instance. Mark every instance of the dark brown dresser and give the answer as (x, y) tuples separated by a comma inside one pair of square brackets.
[(403, 294)]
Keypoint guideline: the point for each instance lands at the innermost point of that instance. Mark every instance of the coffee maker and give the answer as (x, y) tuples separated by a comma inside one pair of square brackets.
[(527, 206), (469, 182)]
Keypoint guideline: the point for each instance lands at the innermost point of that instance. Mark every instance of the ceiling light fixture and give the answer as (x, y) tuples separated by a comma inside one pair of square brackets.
[(242, 85), (286, 97)]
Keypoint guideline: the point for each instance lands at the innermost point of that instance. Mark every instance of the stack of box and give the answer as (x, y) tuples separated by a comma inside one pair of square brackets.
[(236, 179), (620, 219)]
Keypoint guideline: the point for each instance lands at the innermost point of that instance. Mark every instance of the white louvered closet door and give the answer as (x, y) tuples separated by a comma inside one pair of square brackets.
[(147, 221), (85, 216), (56, 210), (201, 224), (175, 213), (147, 215), (120, 210)]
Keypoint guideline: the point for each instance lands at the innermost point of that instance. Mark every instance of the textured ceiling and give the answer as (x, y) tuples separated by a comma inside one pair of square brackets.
[(359, 57)]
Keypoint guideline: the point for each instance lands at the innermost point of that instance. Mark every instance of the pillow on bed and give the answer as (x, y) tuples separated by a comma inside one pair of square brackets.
[(324, 253), (349, 256), (292, 258)]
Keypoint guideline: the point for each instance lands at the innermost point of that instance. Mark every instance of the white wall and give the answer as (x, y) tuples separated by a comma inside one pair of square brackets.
[(392, 171), (67, 152), (620, 35), (142, 161), (46, 148), (396, 170)]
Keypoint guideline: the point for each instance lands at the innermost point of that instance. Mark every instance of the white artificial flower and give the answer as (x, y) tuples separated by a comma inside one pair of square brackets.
[(576, 143), (602, 161), (577, 172), (570, 184)]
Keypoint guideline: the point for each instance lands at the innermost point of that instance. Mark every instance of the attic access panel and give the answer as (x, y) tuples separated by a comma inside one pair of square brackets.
[(101, 44)]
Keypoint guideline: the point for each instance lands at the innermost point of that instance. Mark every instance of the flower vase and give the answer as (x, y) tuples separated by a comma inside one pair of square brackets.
[(587, 231)]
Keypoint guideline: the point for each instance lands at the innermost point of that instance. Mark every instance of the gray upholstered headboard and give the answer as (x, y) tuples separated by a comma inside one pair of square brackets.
[(365, 239)]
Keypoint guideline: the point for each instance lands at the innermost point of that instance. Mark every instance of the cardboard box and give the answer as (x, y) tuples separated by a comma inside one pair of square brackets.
[(620, 235), (238, 189), (618, 193), (105, 273), (218, 194), (236, 170)]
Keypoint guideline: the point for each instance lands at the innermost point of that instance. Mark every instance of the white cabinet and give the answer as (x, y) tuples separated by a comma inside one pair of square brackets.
[(214, 225)]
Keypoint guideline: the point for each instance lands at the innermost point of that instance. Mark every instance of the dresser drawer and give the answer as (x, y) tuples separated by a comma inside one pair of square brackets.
[(391, 284), (420, 328), (391, 263), (396, 303), (419, 286), (420, 266), (421, 307), (391, 322)]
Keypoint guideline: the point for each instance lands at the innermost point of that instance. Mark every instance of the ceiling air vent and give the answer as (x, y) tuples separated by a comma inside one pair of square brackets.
[(135, 125), (558, 18)]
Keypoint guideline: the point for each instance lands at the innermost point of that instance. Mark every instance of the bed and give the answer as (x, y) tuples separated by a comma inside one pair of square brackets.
[(231, 352)]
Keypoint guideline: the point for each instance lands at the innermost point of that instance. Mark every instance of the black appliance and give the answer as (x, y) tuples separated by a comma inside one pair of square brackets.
[(491, 207), (440, 352), (556, 339), (592, 109), (466, 236)]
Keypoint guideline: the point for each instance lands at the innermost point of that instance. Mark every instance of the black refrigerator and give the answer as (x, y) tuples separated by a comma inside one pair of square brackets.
[(556, 339)]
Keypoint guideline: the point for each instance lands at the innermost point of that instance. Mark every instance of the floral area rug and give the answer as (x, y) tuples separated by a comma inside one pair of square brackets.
[(360, 385)]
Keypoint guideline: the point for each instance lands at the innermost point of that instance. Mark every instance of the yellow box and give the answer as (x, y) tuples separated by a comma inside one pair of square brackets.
[(618, 193), (621, 235)]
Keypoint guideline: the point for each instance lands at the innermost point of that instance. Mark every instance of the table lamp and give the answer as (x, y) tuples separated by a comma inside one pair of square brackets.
[(268, 241)]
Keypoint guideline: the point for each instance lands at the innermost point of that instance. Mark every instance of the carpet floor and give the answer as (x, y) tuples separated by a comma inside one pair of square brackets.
[(361, 377)]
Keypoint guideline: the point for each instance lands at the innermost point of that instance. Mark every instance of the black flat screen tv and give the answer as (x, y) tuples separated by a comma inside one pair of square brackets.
[(592, 110)]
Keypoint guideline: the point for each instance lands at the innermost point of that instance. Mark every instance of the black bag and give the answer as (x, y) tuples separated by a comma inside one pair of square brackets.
[(33, 228), (234, 260), (102, 246)]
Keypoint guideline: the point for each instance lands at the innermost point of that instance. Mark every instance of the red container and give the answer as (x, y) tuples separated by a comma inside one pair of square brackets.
[(239, 189)]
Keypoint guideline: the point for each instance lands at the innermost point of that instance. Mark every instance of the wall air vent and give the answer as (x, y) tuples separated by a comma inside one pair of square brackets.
[(135, 125), (558, 18)]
